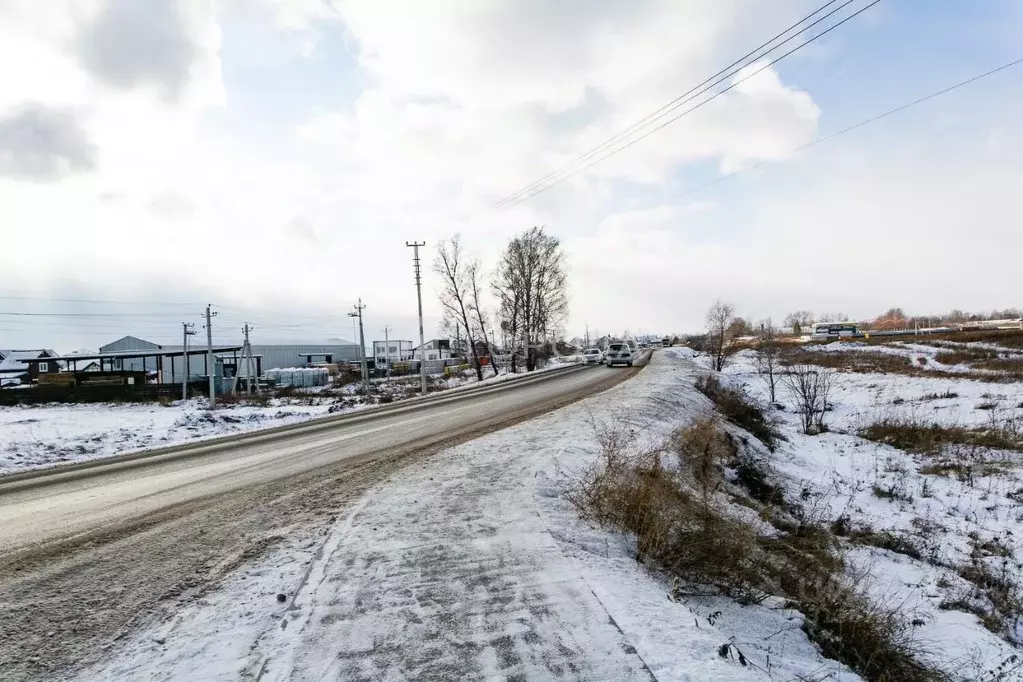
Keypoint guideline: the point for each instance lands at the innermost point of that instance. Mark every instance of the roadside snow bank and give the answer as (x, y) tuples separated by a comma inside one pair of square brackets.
[(46, 435)]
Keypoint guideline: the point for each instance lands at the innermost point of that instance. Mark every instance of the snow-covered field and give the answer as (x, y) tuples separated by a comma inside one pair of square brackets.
[(955, 522), (474, 566), (46, 435)]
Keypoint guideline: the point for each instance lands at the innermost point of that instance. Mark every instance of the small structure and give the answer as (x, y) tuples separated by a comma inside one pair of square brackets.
[(128, 374), (392, 351), (437, 349), (21, 367)]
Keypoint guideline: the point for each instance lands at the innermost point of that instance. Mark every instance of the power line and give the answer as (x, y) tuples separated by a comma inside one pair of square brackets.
[(116, 315), (89, 300), (714, 96), (675, 103), (855, 126)]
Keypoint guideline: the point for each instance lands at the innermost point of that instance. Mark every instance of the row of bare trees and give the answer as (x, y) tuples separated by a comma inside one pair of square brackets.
[(530, 286)]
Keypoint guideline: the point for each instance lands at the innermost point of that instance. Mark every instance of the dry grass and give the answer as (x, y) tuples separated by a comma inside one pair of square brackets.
[(998, 589), (740, 409), (676, 517), (1007, 338), (864, 361), (987, 365), (964, 356), (932, 439), (888, 540)]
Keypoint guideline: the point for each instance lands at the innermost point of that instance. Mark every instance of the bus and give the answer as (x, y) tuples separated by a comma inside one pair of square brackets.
[(833, 330)]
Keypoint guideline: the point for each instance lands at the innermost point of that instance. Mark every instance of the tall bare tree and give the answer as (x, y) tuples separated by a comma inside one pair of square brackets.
[(767, 357), (456, 296), (721, 330), (474, 277), (531, 286)]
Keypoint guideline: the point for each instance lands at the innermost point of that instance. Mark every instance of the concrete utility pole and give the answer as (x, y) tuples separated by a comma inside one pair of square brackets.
[(247, 353), (419, 294), (189, 330), (357, 312), (387, 349), (211, 361)]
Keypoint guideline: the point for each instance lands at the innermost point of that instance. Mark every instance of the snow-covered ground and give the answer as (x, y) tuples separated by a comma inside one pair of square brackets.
[(473, 565), (923, 356), (46, 435), (954, 521), (35, 436)]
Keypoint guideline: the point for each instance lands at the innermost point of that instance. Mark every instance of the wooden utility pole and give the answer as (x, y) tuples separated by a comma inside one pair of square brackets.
[(419, 294)]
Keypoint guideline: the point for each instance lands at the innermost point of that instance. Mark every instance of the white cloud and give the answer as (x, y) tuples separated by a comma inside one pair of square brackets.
[(450, 105), (43, 143)]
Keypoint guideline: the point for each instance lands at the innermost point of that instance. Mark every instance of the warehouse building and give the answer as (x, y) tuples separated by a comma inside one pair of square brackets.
[(267, 356)]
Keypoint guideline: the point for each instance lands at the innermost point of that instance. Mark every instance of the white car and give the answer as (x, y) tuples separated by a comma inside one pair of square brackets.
[(592, 356), (619, 354)]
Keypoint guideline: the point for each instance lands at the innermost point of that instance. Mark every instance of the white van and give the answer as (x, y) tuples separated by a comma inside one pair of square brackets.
[(619, 354)]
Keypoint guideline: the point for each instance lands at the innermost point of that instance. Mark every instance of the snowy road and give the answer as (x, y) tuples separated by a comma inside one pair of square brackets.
[(60, 506), (87, 554)]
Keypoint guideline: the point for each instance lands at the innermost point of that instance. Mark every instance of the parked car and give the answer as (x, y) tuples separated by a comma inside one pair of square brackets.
[(592, 356), (619, 354)]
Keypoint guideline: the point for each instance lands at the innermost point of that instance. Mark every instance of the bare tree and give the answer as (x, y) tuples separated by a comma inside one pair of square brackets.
[(531, 287), (798, 321), (456, 294), (720, 332), (810, 387), (767, 356), (473, 277)]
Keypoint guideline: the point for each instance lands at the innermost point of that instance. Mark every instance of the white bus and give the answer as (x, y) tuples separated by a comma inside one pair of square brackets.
[(833, 330)]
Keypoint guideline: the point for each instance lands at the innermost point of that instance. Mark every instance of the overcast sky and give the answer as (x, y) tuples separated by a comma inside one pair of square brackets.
[(273, 156)]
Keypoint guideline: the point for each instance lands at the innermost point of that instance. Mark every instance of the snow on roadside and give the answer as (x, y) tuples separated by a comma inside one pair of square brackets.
[(46, 435), (954, 522), (473, 565), (37, 436)]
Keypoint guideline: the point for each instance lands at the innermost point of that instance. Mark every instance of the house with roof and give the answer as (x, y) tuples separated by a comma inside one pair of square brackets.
[(15, 371)]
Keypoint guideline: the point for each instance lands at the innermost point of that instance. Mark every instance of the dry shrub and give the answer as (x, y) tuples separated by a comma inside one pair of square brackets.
[(946, 395), (871, 637), (736, 406), (677, 520), (810, 388)]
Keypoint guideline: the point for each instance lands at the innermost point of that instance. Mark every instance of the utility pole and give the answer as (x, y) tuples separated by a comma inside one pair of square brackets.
[(247, 353), (387, 349), (189, 330), (211, 362), (419, 294), (357, 312)]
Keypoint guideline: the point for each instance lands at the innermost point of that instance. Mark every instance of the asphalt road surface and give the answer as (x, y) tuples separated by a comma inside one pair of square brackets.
[(88, 553)]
